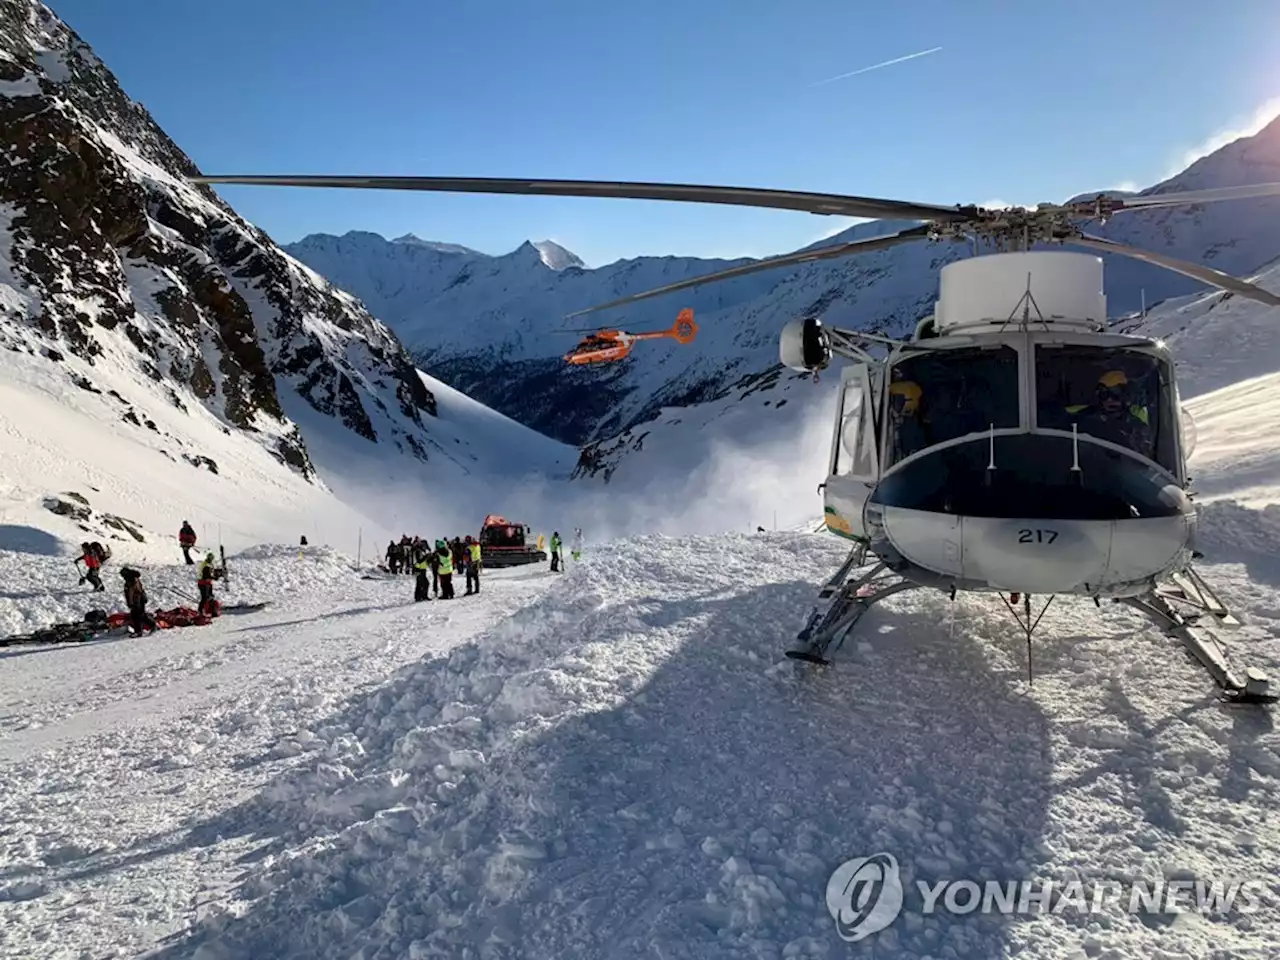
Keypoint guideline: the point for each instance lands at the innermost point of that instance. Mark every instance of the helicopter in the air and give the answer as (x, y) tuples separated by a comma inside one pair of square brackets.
[(1013, 444), (610, 346)]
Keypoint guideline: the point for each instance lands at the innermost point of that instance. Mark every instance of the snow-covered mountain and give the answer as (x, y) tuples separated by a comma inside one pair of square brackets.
[(172, 328), (495, 327)]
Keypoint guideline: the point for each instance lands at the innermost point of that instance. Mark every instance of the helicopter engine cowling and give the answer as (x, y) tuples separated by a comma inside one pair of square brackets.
[(804, 345)]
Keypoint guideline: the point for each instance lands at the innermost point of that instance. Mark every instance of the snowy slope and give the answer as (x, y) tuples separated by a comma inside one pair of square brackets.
[(479, 462), (624, 768), (112, 753), (108, 255), (130, 454), (494, 327), (102, 444)]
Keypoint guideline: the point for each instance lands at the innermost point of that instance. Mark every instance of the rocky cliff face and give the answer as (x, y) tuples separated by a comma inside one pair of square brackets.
[(108, 256)]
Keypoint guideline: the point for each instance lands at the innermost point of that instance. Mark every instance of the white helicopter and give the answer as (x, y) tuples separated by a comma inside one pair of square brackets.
[(1012, 445)]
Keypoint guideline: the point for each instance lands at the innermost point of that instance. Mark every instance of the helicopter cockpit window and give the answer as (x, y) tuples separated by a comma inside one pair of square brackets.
[(945, 394), (1117, 395)]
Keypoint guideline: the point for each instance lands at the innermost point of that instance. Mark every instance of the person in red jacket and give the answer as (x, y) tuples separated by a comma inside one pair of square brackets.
[(187, 540), (92, 562)]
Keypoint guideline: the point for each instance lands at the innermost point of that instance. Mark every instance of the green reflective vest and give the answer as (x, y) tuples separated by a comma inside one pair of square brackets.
[(446, 563), (1136, 411)]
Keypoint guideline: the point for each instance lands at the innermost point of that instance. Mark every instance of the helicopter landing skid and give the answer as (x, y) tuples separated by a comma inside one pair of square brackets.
[(1188, 588), (841, 605)]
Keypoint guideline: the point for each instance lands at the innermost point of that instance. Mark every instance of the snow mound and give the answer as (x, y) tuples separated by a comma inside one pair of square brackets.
[(626, 767)]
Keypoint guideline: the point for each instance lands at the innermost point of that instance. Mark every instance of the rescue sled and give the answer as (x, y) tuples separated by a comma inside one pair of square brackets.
[(99, 623), (504, 544)]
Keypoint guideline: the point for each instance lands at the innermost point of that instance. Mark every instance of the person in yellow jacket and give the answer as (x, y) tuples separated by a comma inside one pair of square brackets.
[(446, 569), (421, 585), (473, 566), (1114, 415)]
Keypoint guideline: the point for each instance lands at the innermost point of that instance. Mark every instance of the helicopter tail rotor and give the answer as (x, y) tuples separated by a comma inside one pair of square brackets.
[(684, 329)]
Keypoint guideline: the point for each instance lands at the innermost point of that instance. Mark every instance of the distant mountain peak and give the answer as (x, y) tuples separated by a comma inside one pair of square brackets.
[(555, 256)]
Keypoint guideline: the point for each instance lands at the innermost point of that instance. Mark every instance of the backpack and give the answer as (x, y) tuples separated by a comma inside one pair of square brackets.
[(102, 553)]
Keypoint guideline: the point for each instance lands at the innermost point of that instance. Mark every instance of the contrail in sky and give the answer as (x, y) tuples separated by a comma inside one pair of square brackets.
[(877, 66)]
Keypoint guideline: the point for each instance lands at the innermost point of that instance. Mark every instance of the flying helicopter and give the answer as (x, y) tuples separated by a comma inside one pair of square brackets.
[(610, 346), (1012, 445)]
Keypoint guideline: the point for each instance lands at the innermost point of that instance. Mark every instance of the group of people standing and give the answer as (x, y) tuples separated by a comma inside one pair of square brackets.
[(433, 565)]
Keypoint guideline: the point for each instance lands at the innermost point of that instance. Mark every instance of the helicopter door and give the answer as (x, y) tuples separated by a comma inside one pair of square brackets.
[(854, 459)]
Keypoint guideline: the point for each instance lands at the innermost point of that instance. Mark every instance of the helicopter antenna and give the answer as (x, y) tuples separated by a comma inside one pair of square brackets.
[(1025, 303)]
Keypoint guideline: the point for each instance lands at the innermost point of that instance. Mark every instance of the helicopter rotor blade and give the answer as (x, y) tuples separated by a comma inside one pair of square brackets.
[(1215, 278), (790, 259), (1247, 192), (820, 203)]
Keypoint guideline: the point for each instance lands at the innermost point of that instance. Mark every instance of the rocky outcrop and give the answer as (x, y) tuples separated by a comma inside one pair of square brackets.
[(109, 255)]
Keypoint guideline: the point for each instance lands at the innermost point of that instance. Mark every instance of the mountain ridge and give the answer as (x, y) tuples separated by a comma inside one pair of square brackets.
[(496, 328)]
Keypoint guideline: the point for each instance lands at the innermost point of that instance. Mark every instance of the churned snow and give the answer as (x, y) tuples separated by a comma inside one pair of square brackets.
[(616, 762)]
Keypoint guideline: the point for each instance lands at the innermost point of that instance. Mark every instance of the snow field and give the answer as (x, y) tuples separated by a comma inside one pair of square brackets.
[(625, 767), (124, 760)]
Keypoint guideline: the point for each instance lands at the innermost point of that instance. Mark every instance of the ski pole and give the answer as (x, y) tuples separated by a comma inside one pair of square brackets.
[(179, 594)]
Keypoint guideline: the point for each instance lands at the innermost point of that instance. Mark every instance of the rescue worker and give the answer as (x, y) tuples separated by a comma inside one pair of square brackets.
[(473, 566), (1114, 416), (204, 581), (555, 551), (92, 562), (445, 556), (421, 585), (187, 540), (576, 550), (135, 598), (906, 414), (433, 561)]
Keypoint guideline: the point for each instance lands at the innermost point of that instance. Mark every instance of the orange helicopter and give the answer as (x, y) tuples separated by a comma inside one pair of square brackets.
[(608, 346)]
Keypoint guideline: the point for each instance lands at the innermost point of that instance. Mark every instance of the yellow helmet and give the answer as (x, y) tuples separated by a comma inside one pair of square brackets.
[(910, 392), (1112, 379)]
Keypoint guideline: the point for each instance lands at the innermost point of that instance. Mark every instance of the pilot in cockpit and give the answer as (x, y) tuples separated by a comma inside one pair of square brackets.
[(906, 415), (1115, 414)]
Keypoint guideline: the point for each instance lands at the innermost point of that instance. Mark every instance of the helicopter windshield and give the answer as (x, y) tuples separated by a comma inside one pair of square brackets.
[(1113, 394), (945, 394)]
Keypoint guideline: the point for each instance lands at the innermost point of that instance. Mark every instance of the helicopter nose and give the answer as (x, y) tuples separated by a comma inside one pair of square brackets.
[(1032, 524)]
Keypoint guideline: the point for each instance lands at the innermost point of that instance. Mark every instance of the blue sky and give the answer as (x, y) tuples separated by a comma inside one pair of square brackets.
[(1027, 101)]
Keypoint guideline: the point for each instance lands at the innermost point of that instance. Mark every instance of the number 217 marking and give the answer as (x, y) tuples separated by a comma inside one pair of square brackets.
[(1037, 536)]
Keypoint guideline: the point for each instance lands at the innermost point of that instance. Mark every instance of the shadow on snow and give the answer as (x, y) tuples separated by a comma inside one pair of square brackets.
[(701, 816)]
